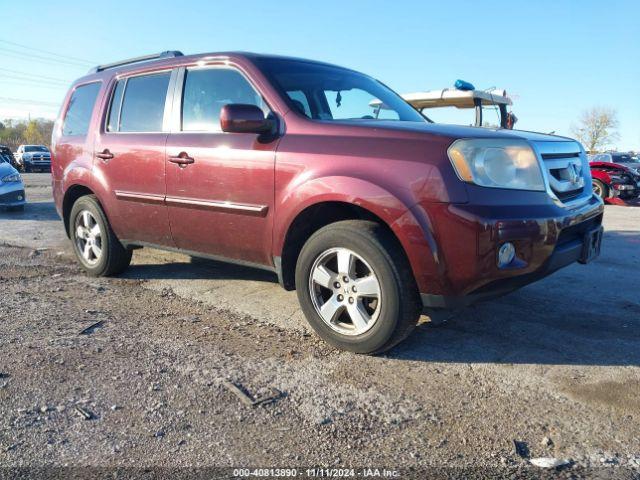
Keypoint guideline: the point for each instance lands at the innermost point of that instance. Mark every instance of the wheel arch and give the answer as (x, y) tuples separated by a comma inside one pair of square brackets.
[(320, 204), (71, 195)]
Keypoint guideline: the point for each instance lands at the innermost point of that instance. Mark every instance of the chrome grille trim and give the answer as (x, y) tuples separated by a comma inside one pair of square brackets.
[(566, 171)]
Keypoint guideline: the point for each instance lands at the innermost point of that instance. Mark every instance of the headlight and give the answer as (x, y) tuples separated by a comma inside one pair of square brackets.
[(14, 177), (497, 163)]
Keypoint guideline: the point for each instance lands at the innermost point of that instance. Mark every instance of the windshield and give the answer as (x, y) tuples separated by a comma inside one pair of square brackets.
[(325, 92), (35, 148)]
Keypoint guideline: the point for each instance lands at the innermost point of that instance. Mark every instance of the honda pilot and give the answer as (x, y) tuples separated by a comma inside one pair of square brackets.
[(373, 215)]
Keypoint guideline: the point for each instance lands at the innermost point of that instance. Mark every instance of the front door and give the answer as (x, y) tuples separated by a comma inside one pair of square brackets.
[(220, 186), (130, 159)]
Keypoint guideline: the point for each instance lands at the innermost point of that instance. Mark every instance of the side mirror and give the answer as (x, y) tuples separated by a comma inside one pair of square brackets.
[(241, 118), (511, 120)]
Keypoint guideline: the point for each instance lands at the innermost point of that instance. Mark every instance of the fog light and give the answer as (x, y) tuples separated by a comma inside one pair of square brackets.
[(506, 254)]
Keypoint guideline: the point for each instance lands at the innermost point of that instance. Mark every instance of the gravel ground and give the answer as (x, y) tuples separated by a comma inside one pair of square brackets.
[(135, 371)]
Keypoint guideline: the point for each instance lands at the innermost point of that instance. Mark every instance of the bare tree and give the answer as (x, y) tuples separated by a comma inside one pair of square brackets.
[(596, 128)]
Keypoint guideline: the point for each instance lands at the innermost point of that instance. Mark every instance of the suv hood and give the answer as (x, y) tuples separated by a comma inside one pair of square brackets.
[(457, 131)]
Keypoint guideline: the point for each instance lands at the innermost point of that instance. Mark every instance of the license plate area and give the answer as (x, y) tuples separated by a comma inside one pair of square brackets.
[(591, 244)]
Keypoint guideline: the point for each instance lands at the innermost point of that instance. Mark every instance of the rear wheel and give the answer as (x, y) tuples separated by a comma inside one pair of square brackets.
[(356, 287), (97, 248), (600, 188)]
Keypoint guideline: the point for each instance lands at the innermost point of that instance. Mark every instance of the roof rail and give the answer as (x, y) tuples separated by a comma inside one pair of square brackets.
[(144, 58)]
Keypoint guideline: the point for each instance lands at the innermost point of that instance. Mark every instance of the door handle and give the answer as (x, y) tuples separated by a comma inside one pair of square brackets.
[(105, 155), (182, 159)]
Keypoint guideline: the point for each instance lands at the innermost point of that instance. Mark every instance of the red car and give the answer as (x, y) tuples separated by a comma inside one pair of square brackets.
[(280, 163), (615, 176)]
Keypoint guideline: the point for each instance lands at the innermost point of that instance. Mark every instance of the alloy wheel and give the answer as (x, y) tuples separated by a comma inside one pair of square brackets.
[(88, 237), (345, 291)]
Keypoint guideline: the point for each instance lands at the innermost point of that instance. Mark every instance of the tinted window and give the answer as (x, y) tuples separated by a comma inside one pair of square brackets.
[(143, 103), (114, 109), (80, 108), (206, 91), (37, 148)]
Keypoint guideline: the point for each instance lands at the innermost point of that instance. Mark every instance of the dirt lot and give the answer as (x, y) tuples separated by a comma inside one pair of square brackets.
[(554, 367)]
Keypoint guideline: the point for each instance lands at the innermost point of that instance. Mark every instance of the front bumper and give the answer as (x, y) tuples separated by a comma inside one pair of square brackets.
[(546, 235), (38, 164), (12, 194)]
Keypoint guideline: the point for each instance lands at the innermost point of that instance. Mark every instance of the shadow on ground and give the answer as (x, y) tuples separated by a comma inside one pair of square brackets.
[(200, 269), (32, 211)]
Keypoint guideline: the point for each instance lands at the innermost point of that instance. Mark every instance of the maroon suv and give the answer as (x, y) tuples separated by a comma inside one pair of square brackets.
[(322, 175)]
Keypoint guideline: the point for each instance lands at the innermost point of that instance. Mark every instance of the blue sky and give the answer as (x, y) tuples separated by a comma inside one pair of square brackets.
[(556, 58)]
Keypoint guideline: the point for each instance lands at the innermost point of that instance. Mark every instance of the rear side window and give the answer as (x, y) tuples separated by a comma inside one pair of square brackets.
[(81, 104), (206, 91), (138, 104)]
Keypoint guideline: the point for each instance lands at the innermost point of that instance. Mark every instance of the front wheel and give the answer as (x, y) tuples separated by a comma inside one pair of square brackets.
[(356, 288), (96, 246), (600, 189)]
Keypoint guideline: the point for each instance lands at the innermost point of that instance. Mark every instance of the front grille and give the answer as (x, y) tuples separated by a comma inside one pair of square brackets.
[(566, 169)]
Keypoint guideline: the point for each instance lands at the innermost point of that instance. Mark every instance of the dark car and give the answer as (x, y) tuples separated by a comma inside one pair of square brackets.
[(280, 163), (8, 155)]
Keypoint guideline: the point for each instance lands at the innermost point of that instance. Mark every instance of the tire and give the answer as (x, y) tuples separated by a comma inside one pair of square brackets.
[(389, 318), (113, 258), (600, 189)]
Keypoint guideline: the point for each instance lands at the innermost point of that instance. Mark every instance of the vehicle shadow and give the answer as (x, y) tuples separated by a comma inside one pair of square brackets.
[(43, 211), (199, 269), (581, 315)]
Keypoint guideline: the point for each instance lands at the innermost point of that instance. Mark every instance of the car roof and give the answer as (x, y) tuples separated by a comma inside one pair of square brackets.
[(179, 59)]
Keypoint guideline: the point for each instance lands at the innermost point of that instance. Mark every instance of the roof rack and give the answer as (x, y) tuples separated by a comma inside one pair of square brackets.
[(144, 58)]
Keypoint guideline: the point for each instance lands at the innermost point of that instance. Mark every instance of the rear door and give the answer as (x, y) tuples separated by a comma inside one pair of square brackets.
[(130, 157), (222, 203)]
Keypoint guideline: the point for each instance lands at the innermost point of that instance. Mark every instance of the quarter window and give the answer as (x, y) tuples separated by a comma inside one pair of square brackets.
[(206, 91), (81, 104), (137, 104)]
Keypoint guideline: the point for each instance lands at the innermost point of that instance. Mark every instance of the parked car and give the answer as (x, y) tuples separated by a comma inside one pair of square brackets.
[(613, 180), (8, 154), (627, 159), (279, 163), (33, 157), (12, 194)]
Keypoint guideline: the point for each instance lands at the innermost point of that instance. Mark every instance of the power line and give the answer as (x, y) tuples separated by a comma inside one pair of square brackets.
[(36, 80), (89, 62), (36, 85), (28, 74), (23, 55), (30, 102)]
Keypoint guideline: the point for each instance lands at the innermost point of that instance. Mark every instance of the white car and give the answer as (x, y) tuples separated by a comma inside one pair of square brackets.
[(33, 157), (11, 187)]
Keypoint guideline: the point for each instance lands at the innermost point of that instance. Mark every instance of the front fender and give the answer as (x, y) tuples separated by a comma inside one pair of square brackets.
[(412, 231)]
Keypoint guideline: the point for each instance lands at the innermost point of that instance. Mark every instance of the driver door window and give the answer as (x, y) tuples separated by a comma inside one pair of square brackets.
[(206, 91)]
